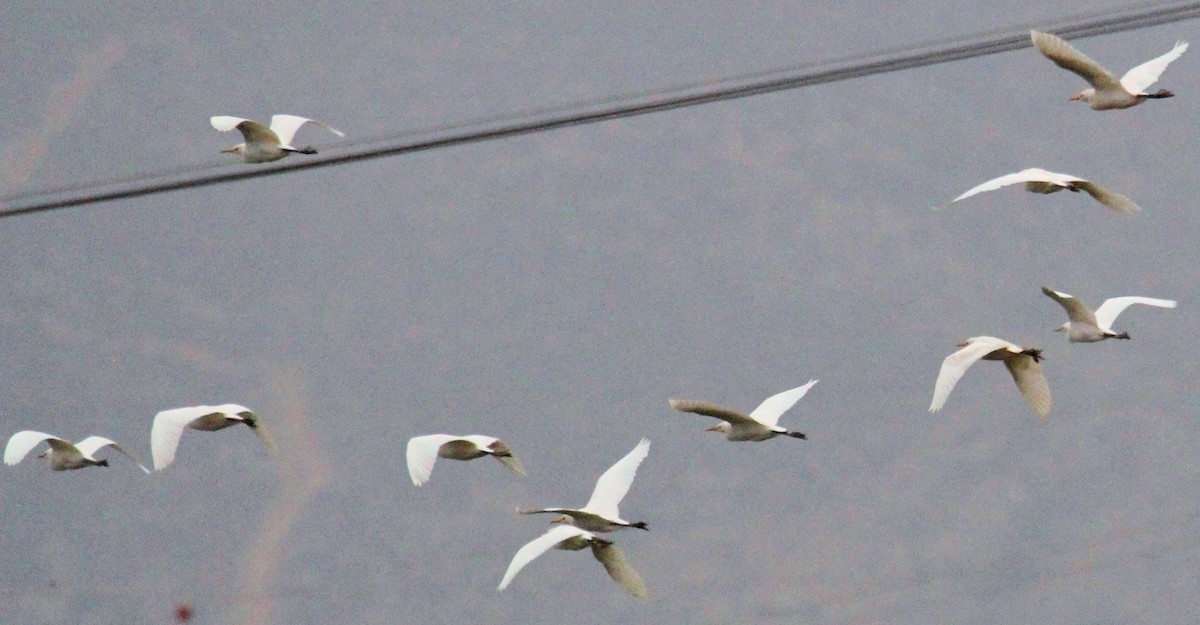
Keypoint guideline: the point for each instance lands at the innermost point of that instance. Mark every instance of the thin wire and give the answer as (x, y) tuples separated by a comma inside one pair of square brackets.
[(498, 127)]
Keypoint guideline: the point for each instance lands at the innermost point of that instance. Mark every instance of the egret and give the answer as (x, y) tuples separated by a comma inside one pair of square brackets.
[(263, 144), (423, 451), (1086, 326), (1021, 362), (169, 425), (571, 538), (759, 425), (1107, 92), (62, 454), (1046, 182), (601, 514)]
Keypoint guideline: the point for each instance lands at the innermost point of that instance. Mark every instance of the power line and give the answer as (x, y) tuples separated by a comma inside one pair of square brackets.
[(945, 51)]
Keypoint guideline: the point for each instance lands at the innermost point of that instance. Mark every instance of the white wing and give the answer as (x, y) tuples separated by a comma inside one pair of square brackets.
[(1137, 79), (1107, 313), (956, 364), (537, 547), (20, 444), (422, 452), (225, 123), (90, 445), (1025, 175), (1027, 373), (612, 486), (285, 127), (773, 407), (167, 428), (1115, 201), (1067, 57)]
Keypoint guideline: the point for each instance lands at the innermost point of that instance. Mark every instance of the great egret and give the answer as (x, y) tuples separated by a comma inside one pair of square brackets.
[(571, 538), (423, 451), (169, 425), (1046, 182), (263, 144), (759, 425), (62, 454), (1021, 362), (601, 514), (1107, 92), (1086, 326)]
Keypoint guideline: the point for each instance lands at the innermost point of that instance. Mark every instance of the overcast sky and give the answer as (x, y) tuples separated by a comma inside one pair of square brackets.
[(554, 290)]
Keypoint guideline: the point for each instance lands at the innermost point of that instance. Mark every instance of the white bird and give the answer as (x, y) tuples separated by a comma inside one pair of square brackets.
[(1021, 362), (1086, 326), (571, 538), (759, 425), (601, 514), (423, 451), (169, 424), (1107, 92), (1046, 182), (63, 455), (263, 144)]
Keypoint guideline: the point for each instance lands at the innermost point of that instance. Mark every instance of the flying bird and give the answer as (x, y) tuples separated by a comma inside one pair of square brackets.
[(264, 144), (1107, 92), (62, 454), (759, 425), (571, 538), (1086, 326), (1021, 362), (601, 514), (169, 425), (423, 451), (1046, 182)]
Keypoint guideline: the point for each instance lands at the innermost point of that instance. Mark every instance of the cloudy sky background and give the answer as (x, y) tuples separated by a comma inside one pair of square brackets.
[(555, 289)]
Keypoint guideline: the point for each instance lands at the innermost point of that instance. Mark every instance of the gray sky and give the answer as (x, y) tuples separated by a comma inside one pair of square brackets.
[(555, 289)]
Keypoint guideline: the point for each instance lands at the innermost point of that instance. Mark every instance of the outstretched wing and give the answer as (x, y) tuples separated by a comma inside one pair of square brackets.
[(20, 444), (90, 445), (1032, 174), (619, 569), (1067, 57), (956, 364), (734, 417), (773, 407), (422, 453), (285, 127), (168, 427), (1115, 201), (1027, 373), (1076, 311), (612, 486), (537, 547), (1137, 79), (1107, 313)]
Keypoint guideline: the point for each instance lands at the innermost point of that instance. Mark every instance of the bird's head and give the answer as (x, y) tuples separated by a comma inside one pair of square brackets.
[(720, 428), (238, 149), (1064, 327), (562, 518), (1084, 96), (45, 454)]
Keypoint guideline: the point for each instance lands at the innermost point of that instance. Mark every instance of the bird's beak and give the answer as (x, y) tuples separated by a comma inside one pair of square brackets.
[(1077, 97), (229, 151), (715, 428), (961, 344)]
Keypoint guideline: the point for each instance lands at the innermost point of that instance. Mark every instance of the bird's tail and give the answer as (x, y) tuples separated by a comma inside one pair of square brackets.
[(1158, 95)]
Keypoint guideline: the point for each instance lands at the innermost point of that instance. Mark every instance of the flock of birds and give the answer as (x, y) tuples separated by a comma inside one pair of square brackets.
[(579, 528)]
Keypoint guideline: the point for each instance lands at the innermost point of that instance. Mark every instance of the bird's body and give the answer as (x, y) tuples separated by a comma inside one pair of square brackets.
[(1046, 182), (760, 425), (601, 513), (1021, 362), (263, 144), (571, 538), (1086, 326), (168, 427), (1107, 92), (423, 451), (62, 454)]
